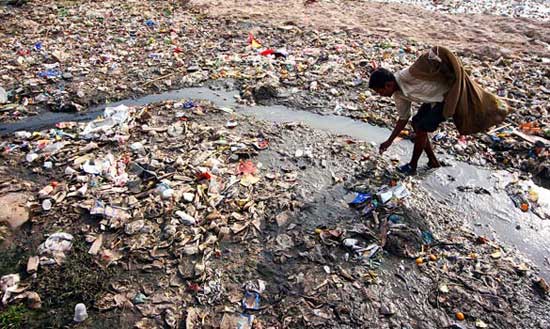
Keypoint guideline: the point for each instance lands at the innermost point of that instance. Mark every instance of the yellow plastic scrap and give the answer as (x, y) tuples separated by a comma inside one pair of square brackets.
[(533, 195), (249, 180), (255, 44), (496, 255), (242, 202)]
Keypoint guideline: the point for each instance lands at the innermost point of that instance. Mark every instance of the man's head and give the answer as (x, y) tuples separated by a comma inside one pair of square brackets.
[(383, 82)]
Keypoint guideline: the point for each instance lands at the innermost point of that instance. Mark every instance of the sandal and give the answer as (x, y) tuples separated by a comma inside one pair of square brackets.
[(406, 169)]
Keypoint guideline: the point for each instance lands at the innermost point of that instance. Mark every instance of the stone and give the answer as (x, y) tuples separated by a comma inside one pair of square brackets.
[(15, 212)]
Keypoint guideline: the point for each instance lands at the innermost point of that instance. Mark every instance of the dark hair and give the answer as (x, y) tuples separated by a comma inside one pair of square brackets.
[(379, 77)]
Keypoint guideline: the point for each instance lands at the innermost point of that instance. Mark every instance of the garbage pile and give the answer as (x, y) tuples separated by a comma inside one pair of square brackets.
[(208, 219), (459, 264), (525, 196), (212, 219), (171, 189), (66, 69)]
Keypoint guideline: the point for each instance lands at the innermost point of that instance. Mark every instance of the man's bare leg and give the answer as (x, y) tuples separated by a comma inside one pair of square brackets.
[(420, 143), (432, 160)]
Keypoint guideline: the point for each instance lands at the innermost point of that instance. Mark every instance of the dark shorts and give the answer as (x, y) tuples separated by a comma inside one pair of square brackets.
[(428, 117)]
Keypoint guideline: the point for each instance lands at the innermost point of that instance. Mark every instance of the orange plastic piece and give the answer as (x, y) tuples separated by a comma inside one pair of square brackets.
[(524, 207)]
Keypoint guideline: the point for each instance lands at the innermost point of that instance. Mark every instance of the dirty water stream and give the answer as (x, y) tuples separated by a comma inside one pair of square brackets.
[(491, 214)]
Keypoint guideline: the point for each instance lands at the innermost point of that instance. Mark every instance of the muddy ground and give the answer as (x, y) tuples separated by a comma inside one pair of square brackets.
[(294, 241), (292, 228)]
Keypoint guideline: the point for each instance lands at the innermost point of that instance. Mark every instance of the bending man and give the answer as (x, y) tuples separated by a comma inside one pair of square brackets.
[(438, 81), (405, 89)]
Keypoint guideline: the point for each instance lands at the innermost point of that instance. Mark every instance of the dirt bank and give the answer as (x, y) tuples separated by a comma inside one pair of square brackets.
[(476, 33)]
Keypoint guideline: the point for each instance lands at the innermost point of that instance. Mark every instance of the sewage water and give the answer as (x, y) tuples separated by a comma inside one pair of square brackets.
[(276, 113), (493, 215)]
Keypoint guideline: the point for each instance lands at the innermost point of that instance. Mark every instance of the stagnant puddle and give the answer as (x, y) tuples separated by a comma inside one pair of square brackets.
[(491, 214)]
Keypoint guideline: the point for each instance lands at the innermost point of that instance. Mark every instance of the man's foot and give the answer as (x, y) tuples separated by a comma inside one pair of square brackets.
[(407, 169), (434, 164), (438, 164)]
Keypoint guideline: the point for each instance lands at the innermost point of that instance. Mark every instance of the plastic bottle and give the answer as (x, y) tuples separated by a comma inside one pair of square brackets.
[(80, 313), (52, 148), (47, 204), (30, 157)]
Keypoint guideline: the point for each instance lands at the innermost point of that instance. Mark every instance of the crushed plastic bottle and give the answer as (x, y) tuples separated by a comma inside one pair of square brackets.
[(185, 218), (3, 96), (80, 313), (164, 190), (54, 148)]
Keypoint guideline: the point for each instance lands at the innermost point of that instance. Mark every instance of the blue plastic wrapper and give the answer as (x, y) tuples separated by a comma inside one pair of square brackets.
[(395, 219), (188, 105), (52, 73), (427, 237), (361, 198), (251, 301), (439, 136)]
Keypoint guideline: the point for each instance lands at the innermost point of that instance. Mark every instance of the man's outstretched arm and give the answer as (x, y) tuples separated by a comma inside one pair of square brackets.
[(398, 128)]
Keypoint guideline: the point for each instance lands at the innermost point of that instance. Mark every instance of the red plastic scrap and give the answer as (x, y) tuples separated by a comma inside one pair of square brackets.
[(268, 51), (24, 52), (261, 144), (246, 167), (204, 175), (194, 287)]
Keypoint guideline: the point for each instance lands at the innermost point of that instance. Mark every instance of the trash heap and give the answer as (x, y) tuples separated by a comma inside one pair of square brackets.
[(153, 182), (170, 189), (461, 271), (152, 46), (179, 213), (192, 215), (525, 196)]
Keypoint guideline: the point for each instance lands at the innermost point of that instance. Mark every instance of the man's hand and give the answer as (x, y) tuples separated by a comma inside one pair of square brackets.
[(401, 123), (384, 146)]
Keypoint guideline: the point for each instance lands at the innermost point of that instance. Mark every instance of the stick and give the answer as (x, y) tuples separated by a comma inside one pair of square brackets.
[(498, 128), (530, 139), (511, 99), (160, 78)]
